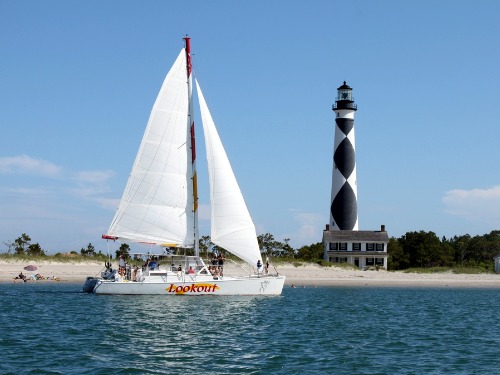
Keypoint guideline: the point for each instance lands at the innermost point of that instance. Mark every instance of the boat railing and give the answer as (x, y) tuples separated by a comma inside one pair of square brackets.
[(239, 265)]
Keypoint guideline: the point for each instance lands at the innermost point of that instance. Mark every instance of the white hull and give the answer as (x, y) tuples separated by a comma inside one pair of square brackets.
[(204, 285)]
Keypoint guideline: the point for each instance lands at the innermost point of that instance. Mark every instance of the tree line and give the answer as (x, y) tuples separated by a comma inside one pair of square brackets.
[(414, 249), (425, 249)]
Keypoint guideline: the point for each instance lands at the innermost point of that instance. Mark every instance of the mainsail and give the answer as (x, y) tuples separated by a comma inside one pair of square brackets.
[(157, 204), (232, 226)]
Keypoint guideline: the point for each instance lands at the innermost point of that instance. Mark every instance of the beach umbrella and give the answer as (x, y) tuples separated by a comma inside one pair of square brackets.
[(30, 268)]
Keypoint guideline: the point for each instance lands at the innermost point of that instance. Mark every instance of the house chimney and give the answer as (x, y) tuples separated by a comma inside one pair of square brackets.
[(382, 228), (327, 227)]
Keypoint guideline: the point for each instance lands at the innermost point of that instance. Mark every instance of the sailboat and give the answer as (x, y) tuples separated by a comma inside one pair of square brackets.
[(160, 205)]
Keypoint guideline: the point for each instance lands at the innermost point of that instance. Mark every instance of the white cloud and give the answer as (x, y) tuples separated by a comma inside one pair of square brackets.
[(93, 186), (309, 230), (24, 164), (95, 177), (481, 205)]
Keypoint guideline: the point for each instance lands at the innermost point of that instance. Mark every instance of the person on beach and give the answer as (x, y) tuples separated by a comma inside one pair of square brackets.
[(21, 277)]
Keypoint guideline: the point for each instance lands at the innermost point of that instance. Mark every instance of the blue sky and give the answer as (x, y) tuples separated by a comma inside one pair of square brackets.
[(78, 80)]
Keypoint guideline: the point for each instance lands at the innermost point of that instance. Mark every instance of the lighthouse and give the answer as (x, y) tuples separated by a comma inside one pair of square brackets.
[(344, 198), (342, 240)]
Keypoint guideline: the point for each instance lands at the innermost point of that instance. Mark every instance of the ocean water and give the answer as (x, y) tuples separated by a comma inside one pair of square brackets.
[(54, 328)]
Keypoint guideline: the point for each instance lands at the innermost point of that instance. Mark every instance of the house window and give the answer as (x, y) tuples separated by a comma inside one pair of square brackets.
[(356, 246), (339, 246), (370, 246), (370, 261), (379, 261), (380, 247), (339, 260)]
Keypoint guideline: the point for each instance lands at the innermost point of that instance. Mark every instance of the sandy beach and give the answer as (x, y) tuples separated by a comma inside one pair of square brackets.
[(304, 275)]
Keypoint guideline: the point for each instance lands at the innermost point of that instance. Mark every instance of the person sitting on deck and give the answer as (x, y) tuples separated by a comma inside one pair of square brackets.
[(191, 270), (215, 274), (179, 271)]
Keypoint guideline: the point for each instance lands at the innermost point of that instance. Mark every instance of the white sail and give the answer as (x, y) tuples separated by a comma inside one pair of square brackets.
[(232, 226), (157, 204)]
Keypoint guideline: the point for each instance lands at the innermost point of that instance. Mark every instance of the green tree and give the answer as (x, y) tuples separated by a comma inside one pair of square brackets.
[(9, 245), (89, 251), (35, 249), (312, 252), (123, 250), (423, 248), (269, 246), (460, 245), (206, 245), (22, 243), (287, 250), (398, 259)]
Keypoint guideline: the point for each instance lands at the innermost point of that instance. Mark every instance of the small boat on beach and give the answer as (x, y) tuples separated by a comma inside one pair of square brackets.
[(160, 207)]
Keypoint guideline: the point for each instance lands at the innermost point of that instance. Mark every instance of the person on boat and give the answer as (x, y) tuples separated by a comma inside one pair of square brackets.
[(179, 271), (220, 260), (259, 266), (121, 264), (191, 270), (215, 273), (134, 273), (267, 267), (108, 274)]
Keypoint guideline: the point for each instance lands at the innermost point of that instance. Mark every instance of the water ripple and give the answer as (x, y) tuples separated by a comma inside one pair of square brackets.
[(55, 329)]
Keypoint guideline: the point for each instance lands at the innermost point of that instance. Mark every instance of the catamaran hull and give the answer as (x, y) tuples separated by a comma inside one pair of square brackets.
[(272, 285)]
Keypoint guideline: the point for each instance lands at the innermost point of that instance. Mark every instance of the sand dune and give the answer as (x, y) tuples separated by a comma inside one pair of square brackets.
[(303, 275)]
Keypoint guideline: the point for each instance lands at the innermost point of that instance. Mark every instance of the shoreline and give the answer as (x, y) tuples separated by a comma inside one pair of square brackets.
[(301, 276)]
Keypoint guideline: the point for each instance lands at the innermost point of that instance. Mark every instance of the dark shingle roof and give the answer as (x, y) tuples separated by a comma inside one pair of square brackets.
[(354, 235)]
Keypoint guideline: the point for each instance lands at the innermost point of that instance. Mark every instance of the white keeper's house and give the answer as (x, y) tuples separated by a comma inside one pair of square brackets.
[(362, 248)]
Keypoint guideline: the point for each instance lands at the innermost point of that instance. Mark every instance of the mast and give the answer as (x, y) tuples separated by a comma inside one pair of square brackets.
[(189, 69)]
